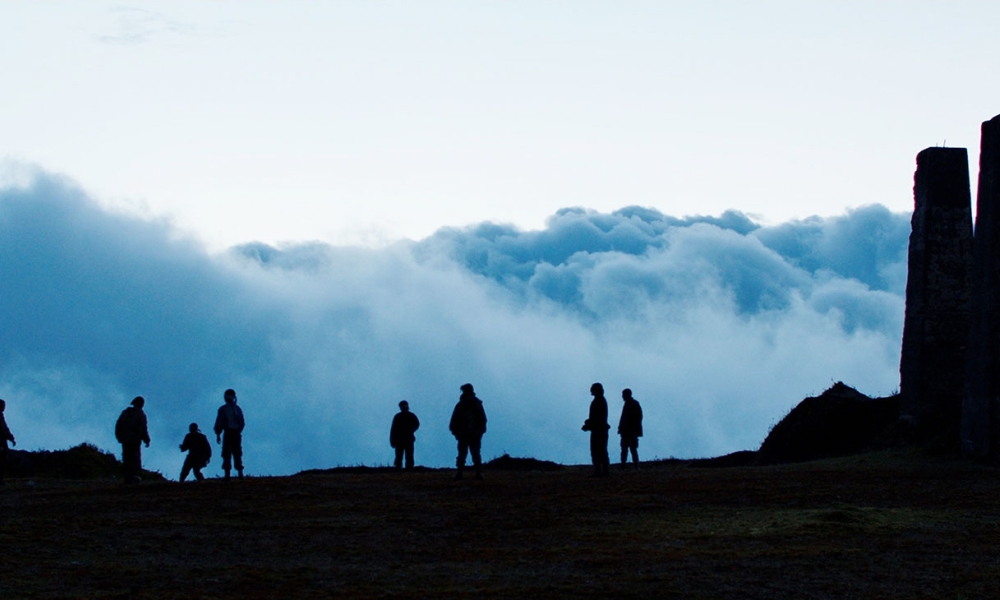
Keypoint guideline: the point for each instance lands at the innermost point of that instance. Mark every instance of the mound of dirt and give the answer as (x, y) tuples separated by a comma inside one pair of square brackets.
[(509, 463), (85, 461), (839, 422)]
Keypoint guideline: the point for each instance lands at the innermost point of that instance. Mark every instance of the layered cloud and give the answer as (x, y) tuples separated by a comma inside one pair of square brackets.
[(717, 324)]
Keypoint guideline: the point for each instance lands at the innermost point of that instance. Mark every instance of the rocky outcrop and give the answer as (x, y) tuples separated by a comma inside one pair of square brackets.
[(938, 287)]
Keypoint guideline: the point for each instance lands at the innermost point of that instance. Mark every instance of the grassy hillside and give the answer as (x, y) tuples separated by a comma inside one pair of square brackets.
[(884, 525)]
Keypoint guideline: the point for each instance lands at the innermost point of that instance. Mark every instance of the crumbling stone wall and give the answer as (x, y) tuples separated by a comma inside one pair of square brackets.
[(938, 286), (980, 432)]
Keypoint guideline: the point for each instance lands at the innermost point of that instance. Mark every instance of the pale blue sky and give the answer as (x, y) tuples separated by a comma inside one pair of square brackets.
[(364, 122)]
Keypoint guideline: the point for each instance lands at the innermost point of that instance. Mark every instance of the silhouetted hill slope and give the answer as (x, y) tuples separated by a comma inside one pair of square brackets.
[(839, 422), (85, 461), (885, 525)]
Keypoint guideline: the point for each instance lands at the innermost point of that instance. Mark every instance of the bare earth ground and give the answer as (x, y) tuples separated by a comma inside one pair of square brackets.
[(888, 525)]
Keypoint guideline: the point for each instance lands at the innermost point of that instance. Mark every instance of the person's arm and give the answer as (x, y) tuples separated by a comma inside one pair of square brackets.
[(219, 425), (145, 430)]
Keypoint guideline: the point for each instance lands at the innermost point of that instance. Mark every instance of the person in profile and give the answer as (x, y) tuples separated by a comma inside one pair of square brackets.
[(401, 437), (199, 453), (5, 436), (468, 424), (597, 425), (630, 427), (229, 432), (131, 432)]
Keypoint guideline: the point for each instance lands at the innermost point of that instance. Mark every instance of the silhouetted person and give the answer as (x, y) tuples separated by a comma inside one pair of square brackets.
[(6, 436), (401, 437), (630, 427), (199, 452), (468, 424), (229, 432), (597, 425), (131, 432)]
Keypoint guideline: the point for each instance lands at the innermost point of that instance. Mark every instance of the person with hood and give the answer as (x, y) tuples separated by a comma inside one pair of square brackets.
[(199, 452), (630, 427), (131, 431), (5, 436), (468, 424), (597, 425), (229, 432), (401, 437)]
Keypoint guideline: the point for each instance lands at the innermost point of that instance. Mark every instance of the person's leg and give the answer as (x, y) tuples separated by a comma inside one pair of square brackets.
[(186, 468), (595, 452), (227, 453), (477, 457), (635, 452), (408, 453), (463, 451), (605, 460), (3, 463), (624, 451), (238, 453), (131, 462), (399, 457)]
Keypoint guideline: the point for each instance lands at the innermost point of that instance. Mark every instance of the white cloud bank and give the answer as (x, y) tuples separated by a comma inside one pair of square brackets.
[(719, 327)]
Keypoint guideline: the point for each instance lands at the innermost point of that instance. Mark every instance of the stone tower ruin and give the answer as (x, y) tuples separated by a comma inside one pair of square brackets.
[(938, 288), (980, 432)]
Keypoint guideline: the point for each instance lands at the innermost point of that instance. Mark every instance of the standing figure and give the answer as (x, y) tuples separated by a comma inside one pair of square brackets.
[(199, 452), (597, 425), (229, 432), (468, 424), (131, 432), (401, 437), (630, 427), (5, 436)]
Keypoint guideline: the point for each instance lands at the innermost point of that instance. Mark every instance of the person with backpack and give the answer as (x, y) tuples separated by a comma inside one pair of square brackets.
[(199, 452), (229, 432), (131, 432), (468, 424)]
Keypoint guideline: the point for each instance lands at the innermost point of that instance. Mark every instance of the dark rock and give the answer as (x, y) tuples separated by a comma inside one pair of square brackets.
[(938, 287), (980, 431), (839, 422)]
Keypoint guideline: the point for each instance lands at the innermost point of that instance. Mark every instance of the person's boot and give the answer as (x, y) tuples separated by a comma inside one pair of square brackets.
[(226, 476), (239, 473)]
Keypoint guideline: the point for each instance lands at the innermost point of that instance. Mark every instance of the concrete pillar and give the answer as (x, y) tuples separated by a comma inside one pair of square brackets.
[(938, 286), (981, 408)]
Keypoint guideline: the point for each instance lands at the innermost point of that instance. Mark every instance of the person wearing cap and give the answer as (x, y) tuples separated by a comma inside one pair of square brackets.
[(597, 425), (5, 436), (199, 452), (630, 427), (131, 432), (468, 424), (401, 437), (229, 432)]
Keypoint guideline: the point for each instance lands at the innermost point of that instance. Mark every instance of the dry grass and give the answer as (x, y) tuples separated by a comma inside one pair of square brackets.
[(890, 525)]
